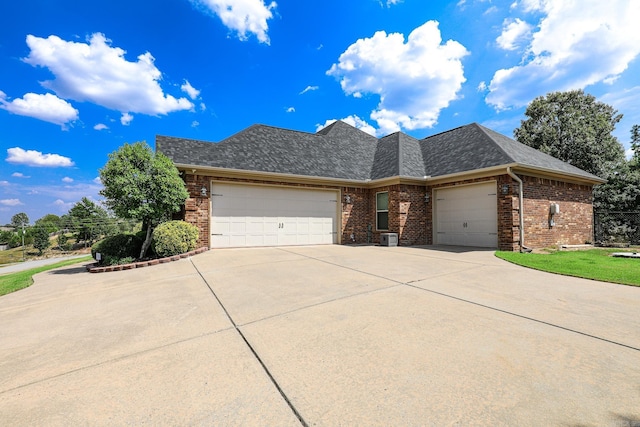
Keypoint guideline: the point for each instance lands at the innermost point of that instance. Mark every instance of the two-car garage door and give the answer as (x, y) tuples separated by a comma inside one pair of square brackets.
[(251, 215), (467, 215)]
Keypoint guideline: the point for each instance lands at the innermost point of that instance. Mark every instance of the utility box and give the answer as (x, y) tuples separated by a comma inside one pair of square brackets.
[(388, 239), (554, 209)]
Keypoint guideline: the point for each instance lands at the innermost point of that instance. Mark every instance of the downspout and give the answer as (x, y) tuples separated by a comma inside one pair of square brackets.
[(523, 248)]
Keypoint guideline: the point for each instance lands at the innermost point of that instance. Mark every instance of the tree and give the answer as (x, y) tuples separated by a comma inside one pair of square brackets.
[(143, 185), (88, 220), (50, 222), (41, 239), (19, 220), (576, 128), (635, 146)]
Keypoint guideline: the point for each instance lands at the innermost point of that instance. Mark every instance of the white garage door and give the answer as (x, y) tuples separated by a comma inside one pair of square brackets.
[(245, 215), (467, 216)]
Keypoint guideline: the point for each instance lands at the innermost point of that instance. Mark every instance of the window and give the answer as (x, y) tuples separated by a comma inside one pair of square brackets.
[(382, 211)]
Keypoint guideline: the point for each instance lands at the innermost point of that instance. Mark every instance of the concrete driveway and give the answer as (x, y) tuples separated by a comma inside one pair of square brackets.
[(322, 335)]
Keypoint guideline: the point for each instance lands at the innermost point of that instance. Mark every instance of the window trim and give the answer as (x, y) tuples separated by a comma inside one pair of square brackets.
[(382, 210)]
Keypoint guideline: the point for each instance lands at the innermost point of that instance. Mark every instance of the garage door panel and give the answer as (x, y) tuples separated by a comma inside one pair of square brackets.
[(244, 215), (467, 216)]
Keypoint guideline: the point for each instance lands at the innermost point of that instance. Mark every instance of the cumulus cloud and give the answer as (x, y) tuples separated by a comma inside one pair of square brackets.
[(4, 183), (291, 110), (11, 202), (577, 44), (47, 107), (309, 89), (415, 79), (190, 90), (126, 119), (195, 124), (354, 121), (67, 179), (97, 180), (513, 33), (19, 156), (242, 16), (19, 175), (101, 126), (98, 73)]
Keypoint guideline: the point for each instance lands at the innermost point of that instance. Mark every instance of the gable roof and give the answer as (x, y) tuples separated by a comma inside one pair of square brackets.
[(341, 151)]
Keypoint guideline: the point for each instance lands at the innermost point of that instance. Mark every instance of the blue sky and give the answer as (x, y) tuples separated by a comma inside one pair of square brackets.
[(78, 79)]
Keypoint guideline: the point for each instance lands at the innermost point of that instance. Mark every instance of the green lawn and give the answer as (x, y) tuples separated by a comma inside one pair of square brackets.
[(596, 264), (22, 279)]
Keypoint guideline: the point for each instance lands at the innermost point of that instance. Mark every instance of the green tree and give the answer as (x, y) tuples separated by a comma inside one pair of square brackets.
[(88, 220), (576, 128), (19, 220), (50, 222), (41, 239), (635, 146), (143, 185)]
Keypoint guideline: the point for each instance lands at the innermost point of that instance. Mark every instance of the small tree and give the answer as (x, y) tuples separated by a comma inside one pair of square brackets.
[(143, 185), (41, 239), (50, 222), (19, 220), (88, 220)]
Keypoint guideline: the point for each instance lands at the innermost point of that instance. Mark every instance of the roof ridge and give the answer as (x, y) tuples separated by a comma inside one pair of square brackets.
[(446, 131), (484, 131)]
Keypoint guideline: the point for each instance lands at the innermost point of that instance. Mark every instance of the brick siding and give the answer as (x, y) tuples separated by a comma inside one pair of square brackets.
[(411, 217)]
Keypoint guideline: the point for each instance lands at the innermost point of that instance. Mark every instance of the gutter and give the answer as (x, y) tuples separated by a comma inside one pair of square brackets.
[(523, 248)]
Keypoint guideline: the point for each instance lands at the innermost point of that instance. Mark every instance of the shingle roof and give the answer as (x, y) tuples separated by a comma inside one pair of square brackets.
[(344, 152)]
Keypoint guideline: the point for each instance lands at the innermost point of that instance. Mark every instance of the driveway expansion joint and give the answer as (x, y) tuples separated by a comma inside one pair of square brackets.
[(253, 351)]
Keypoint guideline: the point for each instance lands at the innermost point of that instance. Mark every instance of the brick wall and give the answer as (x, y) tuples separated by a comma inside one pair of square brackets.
[(574, 223), (196, 207), (411, 217), (357, 215)]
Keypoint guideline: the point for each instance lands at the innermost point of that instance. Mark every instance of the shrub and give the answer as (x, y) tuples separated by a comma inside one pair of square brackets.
[(118, 247), (174, 237)]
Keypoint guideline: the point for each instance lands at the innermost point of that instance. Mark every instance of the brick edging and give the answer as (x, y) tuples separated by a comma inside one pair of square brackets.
[(93, 268)]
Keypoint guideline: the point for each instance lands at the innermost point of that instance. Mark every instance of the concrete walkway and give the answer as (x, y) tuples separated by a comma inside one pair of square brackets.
[(27, 265), (322, 335)]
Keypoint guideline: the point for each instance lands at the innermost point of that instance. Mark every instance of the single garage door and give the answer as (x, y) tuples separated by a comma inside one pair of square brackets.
[(249, 215), (467, 215)]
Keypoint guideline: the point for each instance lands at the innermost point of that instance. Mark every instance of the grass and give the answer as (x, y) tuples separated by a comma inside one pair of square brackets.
[(22, 279), (596, 264)]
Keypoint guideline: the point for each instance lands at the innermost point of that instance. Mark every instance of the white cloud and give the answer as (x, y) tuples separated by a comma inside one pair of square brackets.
[(354, 121), (35, 158), (11, 202), (67, 179), (47, 107), (190, 90), (242, 16), (415, 80), (308, 89), (98, 73), (513, 33), (195, 124), (19, 175), (482, 86), (126, 119), (97, 180), (4, 183), (577, 44), (291, 110), (101, 126), (390, 3), (62, 205), (203, 107)]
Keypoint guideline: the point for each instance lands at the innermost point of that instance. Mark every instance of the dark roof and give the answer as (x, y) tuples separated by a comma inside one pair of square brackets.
[(341, 151)]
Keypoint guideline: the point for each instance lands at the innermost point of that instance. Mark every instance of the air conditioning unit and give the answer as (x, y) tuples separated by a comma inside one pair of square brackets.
[(388, 239)]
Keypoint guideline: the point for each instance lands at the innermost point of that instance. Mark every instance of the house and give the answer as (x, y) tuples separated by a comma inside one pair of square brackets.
[(470, 186)]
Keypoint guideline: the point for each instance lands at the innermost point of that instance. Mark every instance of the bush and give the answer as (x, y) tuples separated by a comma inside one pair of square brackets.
[(118, 247), (174, 238)]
